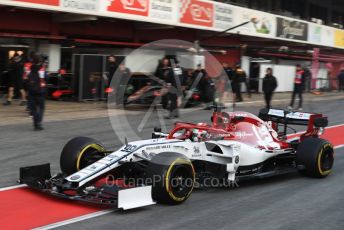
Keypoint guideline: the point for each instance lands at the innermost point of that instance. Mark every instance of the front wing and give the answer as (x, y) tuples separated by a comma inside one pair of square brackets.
[(39, 178)]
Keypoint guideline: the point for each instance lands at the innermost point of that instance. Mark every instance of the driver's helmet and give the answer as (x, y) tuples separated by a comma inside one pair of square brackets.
[(198, 135), (223, 120)]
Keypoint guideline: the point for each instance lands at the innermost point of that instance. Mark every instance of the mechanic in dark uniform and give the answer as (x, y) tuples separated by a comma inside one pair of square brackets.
[(163, 72), (209, 92), (206, 86), (239, 76), (269, 86), (163, 69), (122, 78), (16, 72), (308, 79), (197, 78), (27, 70), (174, 84), (188, 79), (112, 67), (37, 90), (299, 86)]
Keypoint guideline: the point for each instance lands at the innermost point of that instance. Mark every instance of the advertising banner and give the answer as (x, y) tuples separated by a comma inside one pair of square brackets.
[(314, 33), (339, 38), (327, 36), (42, 2), (291, 29), (134, 7), (196, 12), (83, 5), (157, 11), (164, 11), (321, 35), (264, 26), (224, 16)]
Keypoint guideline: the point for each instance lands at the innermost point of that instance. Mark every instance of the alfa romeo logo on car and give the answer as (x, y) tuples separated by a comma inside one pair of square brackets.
[(76, 177)]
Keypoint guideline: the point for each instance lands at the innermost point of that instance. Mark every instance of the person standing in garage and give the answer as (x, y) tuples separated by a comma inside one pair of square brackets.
[(27, 70), (206, 86), (239, 77), (16, 79), (112, 67), (299, 85), (37, 90), (269, 86), (123, 76), (163, 73), (174, 94)]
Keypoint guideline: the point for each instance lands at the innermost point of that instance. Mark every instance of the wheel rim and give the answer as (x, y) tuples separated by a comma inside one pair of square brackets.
[(89, 155), (181, 180), (326, 160)]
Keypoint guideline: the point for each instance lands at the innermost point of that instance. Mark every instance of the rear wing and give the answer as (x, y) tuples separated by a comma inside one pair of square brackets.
[(293, 118)]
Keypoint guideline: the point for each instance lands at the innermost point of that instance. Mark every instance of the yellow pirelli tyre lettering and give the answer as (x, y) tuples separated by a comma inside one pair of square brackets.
[(167, 179), (320, 155), (82, 152)]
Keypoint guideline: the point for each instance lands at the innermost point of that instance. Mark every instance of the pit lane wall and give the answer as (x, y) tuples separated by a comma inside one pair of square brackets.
[(199, 14)]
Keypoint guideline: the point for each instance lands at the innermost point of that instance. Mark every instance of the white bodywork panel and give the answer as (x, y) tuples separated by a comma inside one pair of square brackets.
[(135, 197), (233, 154)]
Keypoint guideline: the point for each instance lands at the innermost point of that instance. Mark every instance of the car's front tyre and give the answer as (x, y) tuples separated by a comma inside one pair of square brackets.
[(172, 177), (80, 152)]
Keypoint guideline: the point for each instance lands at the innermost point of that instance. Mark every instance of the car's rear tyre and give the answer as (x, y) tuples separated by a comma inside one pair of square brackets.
[(315, 157), (79, 153), (173, 177)]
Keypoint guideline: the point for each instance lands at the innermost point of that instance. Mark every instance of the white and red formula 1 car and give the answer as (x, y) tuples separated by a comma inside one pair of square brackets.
[(165, 169)]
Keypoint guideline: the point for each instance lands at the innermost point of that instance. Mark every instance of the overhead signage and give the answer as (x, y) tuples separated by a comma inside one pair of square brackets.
[(292, 29), (135, 7), (322, 35), (42, 2), (264, 24), (224, 16), (196, 12), (339, 38), (163, 11), (87, 5)]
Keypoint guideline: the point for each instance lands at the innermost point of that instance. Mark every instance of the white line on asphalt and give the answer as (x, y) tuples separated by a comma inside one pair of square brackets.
[(12, 187), (338, 146), (334, 126), (73, 220)]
